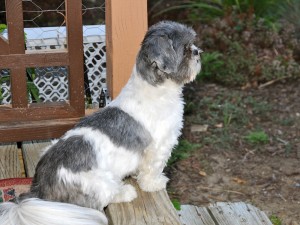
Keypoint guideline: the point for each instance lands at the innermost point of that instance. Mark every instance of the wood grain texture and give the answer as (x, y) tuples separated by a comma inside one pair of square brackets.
[(35, 59), (193, 215), (240, 213), (18, 87), (35, 112), (148, 209), (126, 25), (14, 16), (38, 130), (4, 48), (75, 49), (9, 161), (31, 154)]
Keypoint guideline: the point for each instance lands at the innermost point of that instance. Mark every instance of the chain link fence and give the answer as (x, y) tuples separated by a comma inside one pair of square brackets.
[(44, 27)]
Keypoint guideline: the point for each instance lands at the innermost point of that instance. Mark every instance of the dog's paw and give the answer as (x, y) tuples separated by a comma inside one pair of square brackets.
[(150, 184), (126, 194)]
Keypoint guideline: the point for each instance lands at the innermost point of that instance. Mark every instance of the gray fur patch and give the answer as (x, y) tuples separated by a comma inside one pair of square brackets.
[(165, 53), (122, 129), (74, 154)]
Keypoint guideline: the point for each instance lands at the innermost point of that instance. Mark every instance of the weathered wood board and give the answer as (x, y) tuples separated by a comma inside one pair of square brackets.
[(238, 214), (31, 152), (193, 215), (148, 209), (9, 161), (223, 213)]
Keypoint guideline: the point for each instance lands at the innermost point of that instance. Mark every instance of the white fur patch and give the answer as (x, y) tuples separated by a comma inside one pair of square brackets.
[(33, 211)]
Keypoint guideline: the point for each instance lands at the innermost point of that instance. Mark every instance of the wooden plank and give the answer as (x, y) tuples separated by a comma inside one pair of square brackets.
[(36, 59), (39, 129), (152, 208), (14, 16), (4, 49), (18, 87), (37, 111), (126, 25), (238, 214), (16, 41), (31, 153), (75, 49), (9, 161), (44, 129), (193, 215)]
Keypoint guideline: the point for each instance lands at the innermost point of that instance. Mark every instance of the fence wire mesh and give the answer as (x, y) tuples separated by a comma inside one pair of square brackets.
[(44, 23)]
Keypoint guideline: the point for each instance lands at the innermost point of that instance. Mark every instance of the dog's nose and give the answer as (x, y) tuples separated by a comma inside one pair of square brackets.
[(196, 52)]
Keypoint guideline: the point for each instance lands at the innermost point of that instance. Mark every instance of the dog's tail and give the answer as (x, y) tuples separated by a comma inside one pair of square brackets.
[(34, 211)]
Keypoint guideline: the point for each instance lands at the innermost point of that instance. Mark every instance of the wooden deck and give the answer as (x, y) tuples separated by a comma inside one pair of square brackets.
[(149, 208)]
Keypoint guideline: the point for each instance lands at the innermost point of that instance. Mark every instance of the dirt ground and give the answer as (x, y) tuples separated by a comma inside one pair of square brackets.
[(229, 167)]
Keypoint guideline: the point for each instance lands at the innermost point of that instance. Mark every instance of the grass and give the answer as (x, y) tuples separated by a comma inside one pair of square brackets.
[(176, 204), (211, 63), (229, 116), (275, 220), (257, 137), (182, 151)]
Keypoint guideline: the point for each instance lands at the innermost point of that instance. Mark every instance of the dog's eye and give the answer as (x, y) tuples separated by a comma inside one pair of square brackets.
[(186, 49)]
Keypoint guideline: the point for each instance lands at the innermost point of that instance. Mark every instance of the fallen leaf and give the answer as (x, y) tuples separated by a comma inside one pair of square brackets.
[(202, 173), (239, 181), (199, 128), (219, 125)]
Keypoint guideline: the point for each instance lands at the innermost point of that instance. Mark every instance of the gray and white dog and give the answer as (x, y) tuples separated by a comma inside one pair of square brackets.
[(82, 172)]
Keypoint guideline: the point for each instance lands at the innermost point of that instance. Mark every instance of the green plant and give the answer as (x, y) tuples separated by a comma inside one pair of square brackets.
[(257, 137), (289, 10), (182, 151), (212, 63), (259, 107), (275, 220), (176, 204), (2, 27), (206, 10)]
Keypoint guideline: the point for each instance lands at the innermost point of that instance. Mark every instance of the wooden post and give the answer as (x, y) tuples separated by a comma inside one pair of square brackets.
[(126, 25), (16, 46)]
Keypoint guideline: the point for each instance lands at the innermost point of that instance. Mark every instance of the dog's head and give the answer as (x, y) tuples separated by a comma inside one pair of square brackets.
[(168, 52)]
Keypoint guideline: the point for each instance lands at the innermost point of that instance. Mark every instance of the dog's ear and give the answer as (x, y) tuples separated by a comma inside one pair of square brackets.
[(161, 54)]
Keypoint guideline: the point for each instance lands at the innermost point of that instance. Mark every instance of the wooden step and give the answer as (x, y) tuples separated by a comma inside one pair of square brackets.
[(223, 213), (10, 165), (32, 151)]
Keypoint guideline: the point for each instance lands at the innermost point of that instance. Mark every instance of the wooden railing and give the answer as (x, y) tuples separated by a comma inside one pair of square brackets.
[(126, 23)]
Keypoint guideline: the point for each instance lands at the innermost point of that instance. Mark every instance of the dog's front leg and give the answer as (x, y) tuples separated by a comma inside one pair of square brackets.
[(150, 176)]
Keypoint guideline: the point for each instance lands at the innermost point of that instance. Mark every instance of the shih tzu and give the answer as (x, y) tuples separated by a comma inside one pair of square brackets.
[(83, 171)]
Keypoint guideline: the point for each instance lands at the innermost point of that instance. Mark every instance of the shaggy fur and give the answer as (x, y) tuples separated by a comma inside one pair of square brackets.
[(134, 135)]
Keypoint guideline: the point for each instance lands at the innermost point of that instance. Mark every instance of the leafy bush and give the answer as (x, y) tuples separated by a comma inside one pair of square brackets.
[(246, 42), (206, 10), (212, 62), (240, 50), (2, 27)]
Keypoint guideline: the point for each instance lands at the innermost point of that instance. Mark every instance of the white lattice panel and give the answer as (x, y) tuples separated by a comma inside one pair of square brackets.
[(5, 94), (52, 83), (95, 61)]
